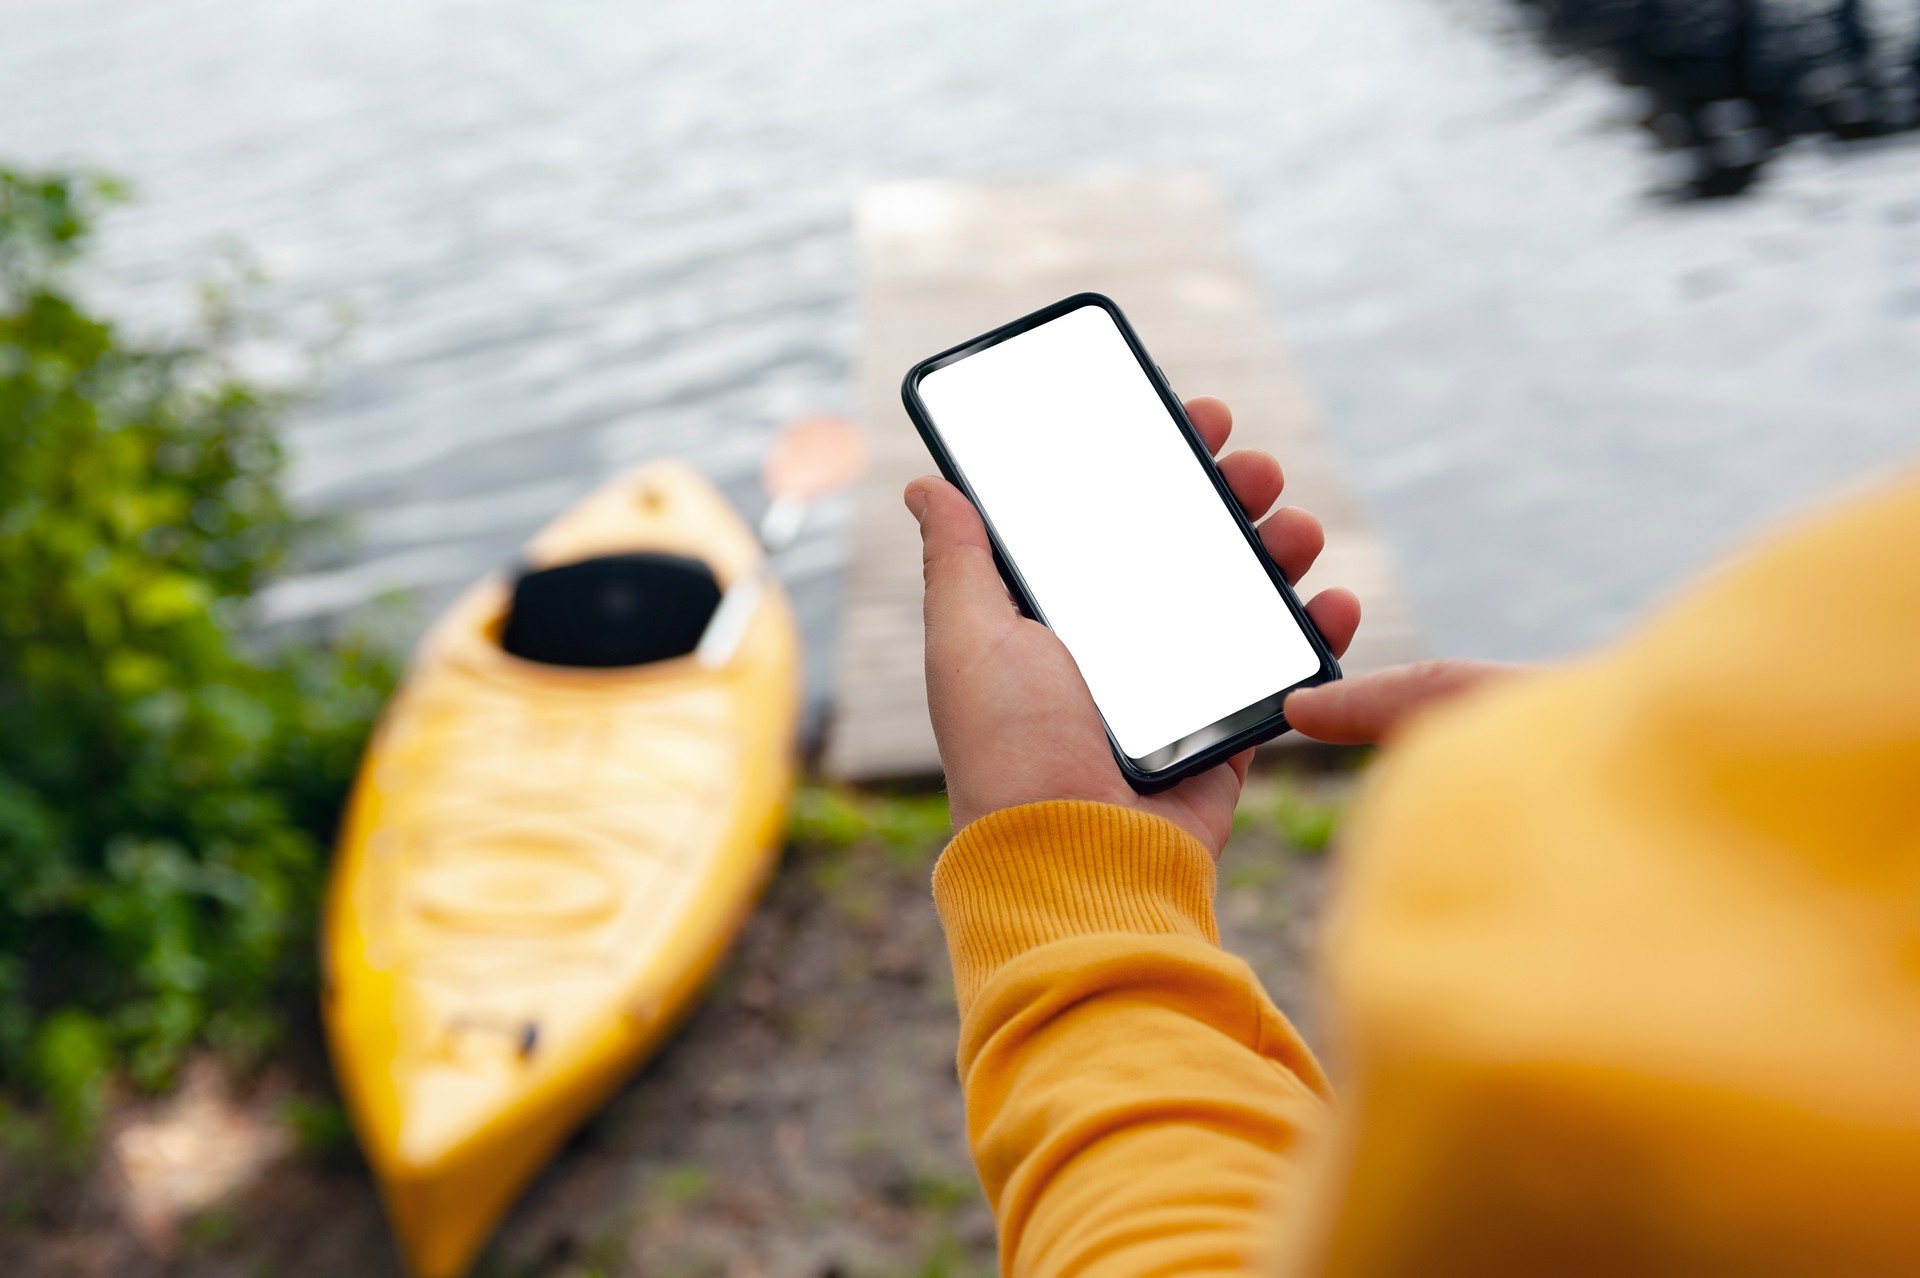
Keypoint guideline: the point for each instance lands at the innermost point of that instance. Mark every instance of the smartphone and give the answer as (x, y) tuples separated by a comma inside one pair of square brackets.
[(1113, 527)]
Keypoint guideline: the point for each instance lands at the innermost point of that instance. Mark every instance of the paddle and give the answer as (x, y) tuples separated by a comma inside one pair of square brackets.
[(809, 459)]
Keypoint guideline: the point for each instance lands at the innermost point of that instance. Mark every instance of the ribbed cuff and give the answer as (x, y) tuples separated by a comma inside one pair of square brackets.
[(1023, 877)]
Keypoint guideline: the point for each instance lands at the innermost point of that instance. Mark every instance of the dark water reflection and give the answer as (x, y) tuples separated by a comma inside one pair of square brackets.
[(1731, 82)]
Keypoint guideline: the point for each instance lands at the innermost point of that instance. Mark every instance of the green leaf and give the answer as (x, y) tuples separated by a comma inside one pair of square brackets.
[(72, 1055)]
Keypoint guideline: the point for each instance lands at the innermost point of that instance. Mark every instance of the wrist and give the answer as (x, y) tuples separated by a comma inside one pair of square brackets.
[(1033, 874)]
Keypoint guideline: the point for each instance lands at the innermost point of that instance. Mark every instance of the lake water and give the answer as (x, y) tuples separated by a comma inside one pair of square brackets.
[(581, 233)]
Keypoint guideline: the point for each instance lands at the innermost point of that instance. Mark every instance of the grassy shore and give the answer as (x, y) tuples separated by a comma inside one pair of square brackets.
[(806, 1122)]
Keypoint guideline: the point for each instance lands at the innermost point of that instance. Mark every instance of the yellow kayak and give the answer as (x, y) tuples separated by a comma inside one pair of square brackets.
[(542, 863)]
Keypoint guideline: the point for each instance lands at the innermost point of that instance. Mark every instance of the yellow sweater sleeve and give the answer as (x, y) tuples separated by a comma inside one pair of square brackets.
[(1625, 961), (1135, 1102)]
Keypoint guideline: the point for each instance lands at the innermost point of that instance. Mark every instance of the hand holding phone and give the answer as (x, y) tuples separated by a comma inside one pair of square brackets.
[(1014, 719), (1111, 525)]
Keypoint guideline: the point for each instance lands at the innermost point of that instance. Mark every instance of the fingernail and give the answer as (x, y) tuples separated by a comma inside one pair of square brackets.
[(917, 503)]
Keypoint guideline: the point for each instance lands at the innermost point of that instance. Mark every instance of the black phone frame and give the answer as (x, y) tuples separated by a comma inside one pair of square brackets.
[(1264, 719)]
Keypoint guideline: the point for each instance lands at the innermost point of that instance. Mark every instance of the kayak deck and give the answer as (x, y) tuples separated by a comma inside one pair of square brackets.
[(541, 865)]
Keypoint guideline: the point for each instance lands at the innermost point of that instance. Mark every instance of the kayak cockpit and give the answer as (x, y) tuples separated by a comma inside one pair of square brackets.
[(611, 610)]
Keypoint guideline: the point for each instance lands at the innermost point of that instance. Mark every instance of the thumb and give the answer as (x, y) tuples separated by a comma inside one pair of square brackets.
[(1367, 709), (963, 584)]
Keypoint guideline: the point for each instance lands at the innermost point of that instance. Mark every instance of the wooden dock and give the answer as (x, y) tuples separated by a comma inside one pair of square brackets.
[(941, 261)]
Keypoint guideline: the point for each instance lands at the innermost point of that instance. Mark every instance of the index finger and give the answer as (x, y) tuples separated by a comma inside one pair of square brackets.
[(1367, 708)]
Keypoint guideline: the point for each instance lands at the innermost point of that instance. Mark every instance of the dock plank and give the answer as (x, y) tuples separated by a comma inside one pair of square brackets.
[(943, 260)]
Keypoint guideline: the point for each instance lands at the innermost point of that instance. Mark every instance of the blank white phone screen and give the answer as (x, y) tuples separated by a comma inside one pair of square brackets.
[(1110, 517)]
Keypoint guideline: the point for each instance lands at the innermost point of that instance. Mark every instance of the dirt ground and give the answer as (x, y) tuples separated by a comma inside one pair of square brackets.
[(805, 1123)]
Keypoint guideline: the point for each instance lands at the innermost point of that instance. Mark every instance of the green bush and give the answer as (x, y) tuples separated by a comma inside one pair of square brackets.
[(167, 790)]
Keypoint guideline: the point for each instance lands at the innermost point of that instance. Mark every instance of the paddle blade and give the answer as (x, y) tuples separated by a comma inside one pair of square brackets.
[(812, 457)]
